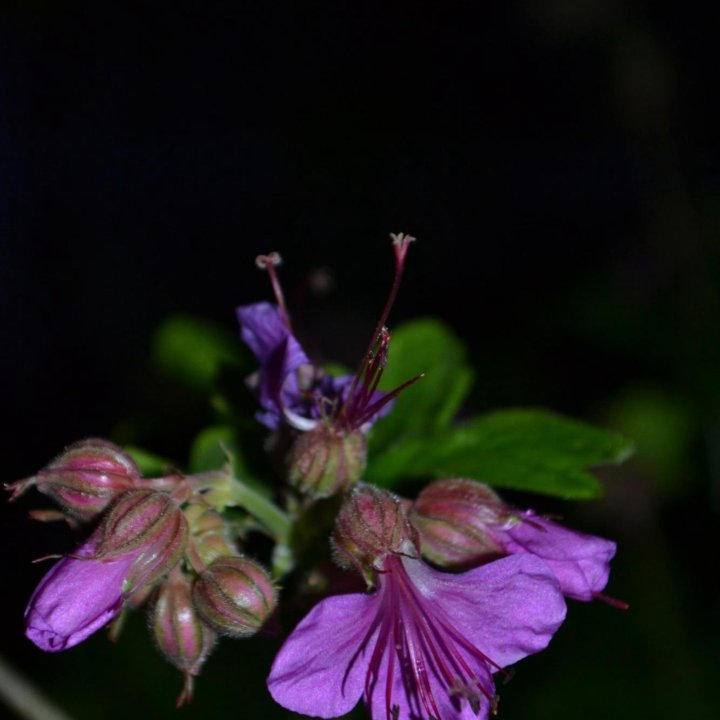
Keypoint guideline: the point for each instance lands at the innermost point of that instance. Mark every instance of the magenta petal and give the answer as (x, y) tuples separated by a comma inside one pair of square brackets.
[(320, 669), (76, 597), (507, 609), (580, 562)]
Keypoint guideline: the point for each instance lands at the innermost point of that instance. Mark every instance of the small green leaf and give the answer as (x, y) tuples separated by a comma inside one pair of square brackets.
[(192, 350), (422, 346), (531, 450), (211, 448), (150, 464)]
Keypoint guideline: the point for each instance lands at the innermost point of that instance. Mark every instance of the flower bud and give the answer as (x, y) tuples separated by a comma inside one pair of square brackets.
[(178, 631), (210, 533), (85, 478), (234, 596), (325, 461), (148, 525), (372, 524), (454, 517)]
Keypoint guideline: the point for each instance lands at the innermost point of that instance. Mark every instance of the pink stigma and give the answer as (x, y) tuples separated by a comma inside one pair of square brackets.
[(269, 262)]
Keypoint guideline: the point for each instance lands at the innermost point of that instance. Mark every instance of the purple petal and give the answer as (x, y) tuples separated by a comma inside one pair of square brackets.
[(580, 562), (507, 609), (76, 597), (263, 330), (320, 669), (280, 354)]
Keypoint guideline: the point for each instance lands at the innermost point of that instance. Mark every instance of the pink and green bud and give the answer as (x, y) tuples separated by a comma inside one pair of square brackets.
[(453, 517), (325, 461), (85, 478), (86, 590), (372, 524), (234, 596), (148, 525), (180, 635), (210, 533)]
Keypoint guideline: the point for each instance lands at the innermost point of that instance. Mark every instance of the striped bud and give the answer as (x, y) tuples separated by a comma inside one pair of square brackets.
[(180, 635), (371, 525), (454, 517), (210, 533), (148, 525), (85, 478), (325, 461), (234, 596)]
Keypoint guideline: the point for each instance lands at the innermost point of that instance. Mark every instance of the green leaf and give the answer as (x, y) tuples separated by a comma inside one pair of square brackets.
[(192, 351), (211, 448), (150, 464), (530, 450), (422, 346)]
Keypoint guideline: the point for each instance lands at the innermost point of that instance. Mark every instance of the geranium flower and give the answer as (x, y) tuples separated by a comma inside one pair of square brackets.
[(424, 644), (290, 389)]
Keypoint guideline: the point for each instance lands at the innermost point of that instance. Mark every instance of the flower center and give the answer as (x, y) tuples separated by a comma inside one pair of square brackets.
[(426, 650)]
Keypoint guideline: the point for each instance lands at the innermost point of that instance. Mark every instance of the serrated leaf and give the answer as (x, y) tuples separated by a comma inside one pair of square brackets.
[(530, 450), (422, 346), (192, 350)]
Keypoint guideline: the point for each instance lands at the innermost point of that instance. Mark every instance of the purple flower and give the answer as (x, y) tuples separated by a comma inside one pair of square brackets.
[(289, 388), (139, 540), (424, 644), (463, 523)]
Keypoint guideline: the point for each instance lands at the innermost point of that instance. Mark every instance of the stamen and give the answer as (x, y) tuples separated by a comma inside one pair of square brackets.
[(613, 602), (401, 243), (269, 262)]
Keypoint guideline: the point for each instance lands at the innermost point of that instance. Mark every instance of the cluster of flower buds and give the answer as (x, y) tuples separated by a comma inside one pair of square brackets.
[(152, 541), (459, 584)]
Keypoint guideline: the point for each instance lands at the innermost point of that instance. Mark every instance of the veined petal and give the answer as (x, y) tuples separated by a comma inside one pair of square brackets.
[(320, 670), (416, 685), (507, 609), (76, 597), (580, 562)]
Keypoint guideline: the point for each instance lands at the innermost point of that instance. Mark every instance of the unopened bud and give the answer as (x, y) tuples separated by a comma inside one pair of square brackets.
[(85, 478), (210, 533), (234, 596), (454, 517), (181, 636), (149, 525), (371, 525), (325, 461)]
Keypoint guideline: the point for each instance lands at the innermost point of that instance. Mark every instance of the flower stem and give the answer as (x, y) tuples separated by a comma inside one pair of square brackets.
[(262, 509)]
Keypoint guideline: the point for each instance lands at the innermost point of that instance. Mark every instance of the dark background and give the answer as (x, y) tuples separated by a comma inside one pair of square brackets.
[(558, 162)]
